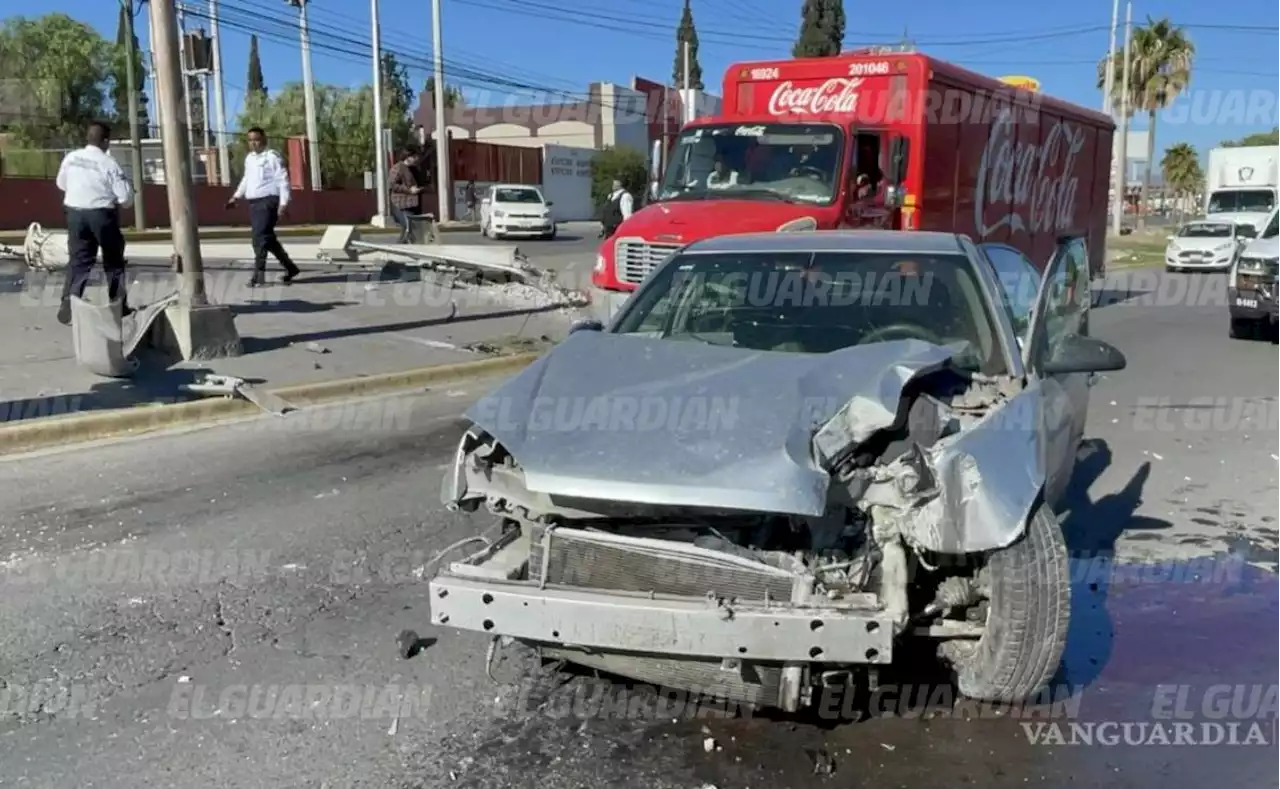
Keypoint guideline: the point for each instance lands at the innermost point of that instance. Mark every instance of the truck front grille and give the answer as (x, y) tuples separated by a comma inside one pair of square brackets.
[(636, 258)]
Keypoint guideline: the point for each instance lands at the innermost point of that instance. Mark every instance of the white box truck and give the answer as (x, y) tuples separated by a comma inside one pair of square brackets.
[(1240, 183)]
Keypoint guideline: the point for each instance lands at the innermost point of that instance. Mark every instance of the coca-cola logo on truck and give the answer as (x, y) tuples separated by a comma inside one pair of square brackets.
[(835, 95), (1033, 185)]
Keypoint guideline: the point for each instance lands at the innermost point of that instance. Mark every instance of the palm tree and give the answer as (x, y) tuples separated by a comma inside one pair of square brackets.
[(1160, 60), (1182, 173)]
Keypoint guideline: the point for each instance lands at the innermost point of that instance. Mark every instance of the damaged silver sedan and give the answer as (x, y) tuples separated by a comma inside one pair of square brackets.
[(787, 455)]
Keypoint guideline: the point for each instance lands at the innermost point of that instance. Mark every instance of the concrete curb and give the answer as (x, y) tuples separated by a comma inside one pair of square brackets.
[(12, 237), (42, 433)]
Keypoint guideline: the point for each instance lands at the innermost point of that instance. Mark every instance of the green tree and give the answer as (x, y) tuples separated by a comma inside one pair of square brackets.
[(822, 24), (124, 50), (1257, 138), (344, 124), (452, 95), (255, 83), (623, 164), (1160, 61), (686, 32), (1183, 176), (397, 101), (63, 67)]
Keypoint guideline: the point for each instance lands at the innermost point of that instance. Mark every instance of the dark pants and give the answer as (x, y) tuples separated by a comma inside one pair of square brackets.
[(263, 214), (88, 232), (401, 215)]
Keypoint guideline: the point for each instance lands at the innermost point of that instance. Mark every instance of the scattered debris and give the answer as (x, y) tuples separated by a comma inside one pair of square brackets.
[(316, 347), (1157, 456), (510, 346), (709, 744), (823, 762), (887, 746)]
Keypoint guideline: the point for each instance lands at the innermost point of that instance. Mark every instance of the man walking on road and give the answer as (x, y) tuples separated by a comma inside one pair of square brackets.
[(616, 210), (406, 194), (94, 190), (265, 186)]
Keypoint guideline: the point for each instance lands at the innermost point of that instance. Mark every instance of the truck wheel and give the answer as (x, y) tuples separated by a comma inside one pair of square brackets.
[(1242, 329), (1027, 614)]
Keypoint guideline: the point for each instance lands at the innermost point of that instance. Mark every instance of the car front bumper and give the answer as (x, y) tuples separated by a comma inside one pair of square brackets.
[(1221, 263), (545, 590), (509, 227), (1254, 304)]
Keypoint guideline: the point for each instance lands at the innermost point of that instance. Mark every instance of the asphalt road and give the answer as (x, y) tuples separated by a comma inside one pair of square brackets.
[(206, 596)]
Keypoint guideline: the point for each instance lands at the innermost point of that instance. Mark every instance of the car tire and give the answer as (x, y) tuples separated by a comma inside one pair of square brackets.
[(1172, 269), (551, 236), (1028, 609), (1243, 329)]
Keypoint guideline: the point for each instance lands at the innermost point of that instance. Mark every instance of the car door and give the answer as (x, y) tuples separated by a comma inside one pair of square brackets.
[(1061, 310), (1019, 283)]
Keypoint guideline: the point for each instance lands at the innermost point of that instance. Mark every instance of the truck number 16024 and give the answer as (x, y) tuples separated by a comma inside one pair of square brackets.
[(765, 73), (869, 69)]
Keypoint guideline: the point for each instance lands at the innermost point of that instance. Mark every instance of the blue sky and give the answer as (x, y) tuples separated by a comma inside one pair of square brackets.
[(545, 45)]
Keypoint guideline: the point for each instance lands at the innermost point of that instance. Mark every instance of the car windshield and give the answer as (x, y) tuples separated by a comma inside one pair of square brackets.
[(795, 162), (1270, 232), (1206, 230), (518, 196), (1250, 200), (818, 303)]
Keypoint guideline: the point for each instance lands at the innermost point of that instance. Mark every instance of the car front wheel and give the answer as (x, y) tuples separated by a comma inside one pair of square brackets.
[(1028, 609)]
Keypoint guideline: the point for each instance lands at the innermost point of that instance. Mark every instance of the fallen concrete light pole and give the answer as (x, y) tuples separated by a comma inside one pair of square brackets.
[(481, 265)]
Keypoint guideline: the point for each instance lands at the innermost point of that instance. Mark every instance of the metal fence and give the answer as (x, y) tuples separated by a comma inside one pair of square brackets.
[(44, 163)]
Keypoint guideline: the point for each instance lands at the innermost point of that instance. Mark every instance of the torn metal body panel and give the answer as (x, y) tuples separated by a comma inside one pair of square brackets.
[(715, 427)]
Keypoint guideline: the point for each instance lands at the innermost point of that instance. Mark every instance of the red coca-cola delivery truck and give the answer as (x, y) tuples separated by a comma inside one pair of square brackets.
[(865, 139)]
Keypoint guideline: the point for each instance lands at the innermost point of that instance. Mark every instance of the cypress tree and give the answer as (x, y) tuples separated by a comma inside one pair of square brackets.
[(120, 78), (822, 25), (256, 83), (687, 32)]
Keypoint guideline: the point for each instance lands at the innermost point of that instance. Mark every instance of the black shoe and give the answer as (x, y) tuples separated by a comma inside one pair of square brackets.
[(64, 313), (290, 276), (256, 281)]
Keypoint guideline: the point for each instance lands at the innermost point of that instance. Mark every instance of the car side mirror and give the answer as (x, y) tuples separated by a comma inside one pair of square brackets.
[(588, 324), (550, 203), (1080, 354)]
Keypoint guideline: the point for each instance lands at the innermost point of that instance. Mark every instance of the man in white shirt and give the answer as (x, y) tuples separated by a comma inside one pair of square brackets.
[(265, 186), (94, 190), (616, 211), (721, 177)]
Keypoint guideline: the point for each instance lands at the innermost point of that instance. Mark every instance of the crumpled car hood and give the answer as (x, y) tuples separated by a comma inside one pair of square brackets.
[(634, 419)]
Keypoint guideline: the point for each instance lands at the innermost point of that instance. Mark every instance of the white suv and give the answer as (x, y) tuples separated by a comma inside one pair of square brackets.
[(516, 210)]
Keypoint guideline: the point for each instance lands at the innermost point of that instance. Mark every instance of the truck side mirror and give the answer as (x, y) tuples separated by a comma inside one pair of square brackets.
[(898, 150)]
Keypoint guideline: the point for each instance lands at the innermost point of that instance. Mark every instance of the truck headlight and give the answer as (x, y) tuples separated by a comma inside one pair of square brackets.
[(801, 225)]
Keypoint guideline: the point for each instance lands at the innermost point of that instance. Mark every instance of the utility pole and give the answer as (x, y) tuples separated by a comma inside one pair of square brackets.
[(170, 77), (1109, 83), (379, 150), (308, 91), (1122, 181), (445, 210), (688, 97), (135, 133), (186, 81), (224, 156)]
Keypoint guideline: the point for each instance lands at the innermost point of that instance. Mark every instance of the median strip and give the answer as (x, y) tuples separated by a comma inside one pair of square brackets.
[(46, 432)]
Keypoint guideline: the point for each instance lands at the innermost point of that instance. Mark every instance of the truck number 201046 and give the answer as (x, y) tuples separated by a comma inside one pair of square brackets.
[(869, 69)]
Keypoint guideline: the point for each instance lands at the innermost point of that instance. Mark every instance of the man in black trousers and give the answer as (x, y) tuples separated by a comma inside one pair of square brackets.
[(94, 190), (265, 186)]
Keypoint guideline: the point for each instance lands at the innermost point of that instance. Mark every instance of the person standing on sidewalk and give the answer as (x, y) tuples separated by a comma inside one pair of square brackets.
[(265, 186), (94, 188), (405, 194)]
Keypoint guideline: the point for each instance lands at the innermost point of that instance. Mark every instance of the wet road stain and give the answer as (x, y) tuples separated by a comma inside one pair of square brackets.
[(1147, 654)]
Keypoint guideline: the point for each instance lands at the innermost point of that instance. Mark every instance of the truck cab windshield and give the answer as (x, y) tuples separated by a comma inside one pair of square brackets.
[(792, 162), (1243, 200)]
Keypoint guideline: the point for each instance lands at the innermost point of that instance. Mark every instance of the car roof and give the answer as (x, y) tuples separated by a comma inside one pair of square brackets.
[(892, 241), (516, 186)]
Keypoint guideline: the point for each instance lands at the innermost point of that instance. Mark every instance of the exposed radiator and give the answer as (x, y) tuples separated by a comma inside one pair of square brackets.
[(598, 560)]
